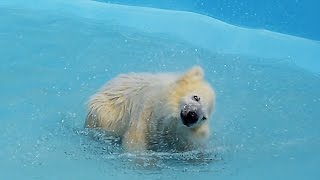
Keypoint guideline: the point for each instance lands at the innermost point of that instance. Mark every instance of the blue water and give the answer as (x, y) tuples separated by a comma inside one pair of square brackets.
[(296, 17), (55, 54)]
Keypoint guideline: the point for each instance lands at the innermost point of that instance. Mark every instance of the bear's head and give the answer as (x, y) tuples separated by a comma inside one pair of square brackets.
[(193, 97)]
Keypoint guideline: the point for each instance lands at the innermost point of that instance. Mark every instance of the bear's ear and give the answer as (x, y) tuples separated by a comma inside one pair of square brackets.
[(194, 74)]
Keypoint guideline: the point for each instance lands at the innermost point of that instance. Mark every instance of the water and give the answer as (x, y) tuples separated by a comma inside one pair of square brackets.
[(295, 17), (265, 125)]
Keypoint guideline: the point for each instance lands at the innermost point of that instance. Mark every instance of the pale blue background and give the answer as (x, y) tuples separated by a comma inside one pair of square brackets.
[(55, 54)]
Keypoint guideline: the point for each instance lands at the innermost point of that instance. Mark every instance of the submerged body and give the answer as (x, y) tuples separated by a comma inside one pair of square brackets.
[(158, 112)]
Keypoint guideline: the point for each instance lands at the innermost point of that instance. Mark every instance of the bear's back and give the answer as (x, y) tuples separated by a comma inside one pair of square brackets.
[(138, 84)]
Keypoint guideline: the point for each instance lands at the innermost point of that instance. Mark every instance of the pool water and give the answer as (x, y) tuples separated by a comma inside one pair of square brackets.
[(266, 123)]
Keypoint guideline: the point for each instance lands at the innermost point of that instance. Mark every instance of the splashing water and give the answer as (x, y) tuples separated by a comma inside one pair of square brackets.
[(266, 115)]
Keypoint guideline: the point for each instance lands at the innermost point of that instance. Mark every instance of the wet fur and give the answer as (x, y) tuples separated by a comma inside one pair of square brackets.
[(143, 109)]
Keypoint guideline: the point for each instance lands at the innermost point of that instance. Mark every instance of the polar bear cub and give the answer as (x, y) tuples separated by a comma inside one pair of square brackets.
[(158, 112)]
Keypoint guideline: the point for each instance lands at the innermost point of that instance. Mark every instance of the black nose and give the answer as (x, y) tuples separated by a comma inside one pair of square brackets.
[(189, 118)]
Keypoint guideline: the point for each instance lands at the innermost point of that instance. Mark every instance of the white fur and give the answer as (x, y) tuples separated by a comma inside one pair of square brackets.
[(144, 109)]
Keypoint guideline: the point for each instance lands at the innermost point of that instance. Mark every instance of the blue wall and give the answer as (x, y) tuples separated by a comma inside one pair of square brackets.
[(295, 17)]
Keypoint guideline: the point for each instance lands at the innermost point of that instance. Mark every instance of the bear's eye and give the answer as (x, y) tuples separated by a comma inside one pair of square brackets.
[(196, 98)]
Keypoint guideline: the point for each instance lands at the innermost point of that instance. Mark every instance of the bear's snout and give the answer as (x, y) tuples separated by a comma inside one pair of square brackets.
[(190, 114), (189, 118)]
